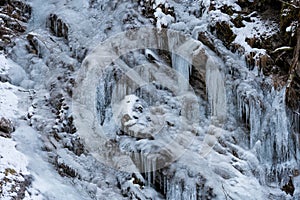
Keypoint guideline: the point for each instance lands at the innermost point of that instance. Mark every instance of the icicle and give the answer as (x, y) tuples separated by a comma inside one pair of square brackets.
[(153, 170), (215, 89), (247, 113), (180, 64), (148, 170), (145, 170), (165, 184), (249, 110), (254, 122), (38, 48), (280, 122)]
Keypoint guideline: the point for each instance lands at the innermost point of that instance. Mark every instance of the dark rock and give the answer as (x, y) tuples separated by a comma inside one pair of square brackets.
[(288, 14), (147, 9), (6, 127), (58, 27), (76, 146), (289, 188), (37, 45), (250, 61), (16, 185), (197, 81), (237, 48), (224, 33), (227, 9), (205, 39), (293, 88), (65, 170), (259, 5), (14, 14), (238, 21)]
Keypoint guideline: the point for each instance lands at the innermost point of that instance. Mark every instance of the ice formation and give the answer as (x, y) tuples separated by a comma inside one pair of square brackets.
[(137, 117)]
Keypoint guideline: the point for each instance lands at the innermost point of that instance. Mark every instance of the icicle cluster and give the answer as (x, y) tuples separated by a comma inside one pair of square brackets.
[(215, 89), (180, 64), (249, 110)]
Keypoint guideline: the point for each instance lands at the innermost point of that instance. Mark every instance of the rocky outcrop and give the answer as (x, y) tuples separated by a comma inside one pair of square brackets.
[(224, 33), (37, 45), (14, 15), (58, 27), (149, 9), (6, 127), (289, 188)]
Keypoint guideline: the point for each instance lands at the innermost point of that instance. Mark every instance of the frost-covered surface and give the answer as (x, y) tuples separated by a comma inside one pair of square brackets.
[(241, 146)]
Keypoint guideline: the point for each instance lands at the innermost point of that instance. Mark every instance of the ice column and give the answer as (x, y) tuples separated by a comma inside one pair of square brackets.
[(215, 89), (180, 64)]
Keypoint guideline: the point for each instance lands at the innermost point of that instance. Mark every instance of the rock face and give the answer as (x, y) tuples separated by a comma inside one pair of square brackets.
[(224, 32), (14, 15)]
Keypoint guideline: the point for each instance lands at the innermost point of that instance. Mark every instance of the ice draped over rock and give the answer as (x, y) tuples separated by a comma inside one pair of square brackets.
[(170, 128), (263, 112), (94, 67)]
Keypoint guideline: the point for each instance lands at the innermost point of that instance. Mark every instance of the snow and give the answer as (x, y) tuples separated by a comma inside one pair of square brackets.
[(23, 153), (11, 158), (15, 72), (8, 101), (163, 20), (45, 178)]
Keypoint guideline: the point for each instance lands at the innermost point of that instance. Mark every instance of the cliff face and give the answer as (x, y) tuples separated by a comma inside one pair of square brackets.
[(200, 103)]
